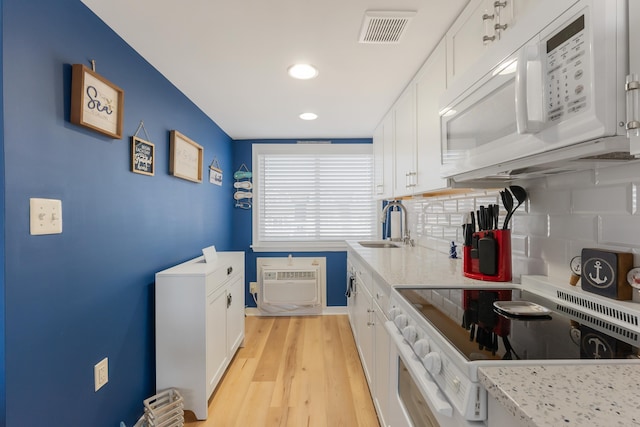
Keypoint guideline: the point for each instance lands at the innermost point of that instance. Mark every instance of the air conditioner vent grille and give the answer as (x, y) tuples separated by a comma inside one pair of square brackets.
[(625, 317), (384, 27), (296, 275), (609, 327)]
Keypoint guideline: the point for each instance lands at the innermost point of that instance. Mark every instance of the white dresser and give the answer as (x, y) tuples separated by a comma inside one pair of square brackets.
[(199, 325)]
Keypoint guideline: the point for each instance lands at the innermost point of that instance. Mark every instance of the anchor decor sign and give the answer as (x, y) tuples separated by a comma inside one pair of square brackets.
[(605, 273)]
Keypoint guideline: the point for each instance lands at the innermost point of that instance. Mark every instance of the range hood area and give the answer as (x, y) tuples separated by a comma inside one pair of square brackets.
[(583, 156)]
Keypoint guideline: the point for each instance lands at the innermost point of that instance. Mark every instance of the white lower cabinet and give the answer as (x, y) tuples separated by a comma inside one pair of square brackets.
[(368, 305), (498, 415), (199, 326)]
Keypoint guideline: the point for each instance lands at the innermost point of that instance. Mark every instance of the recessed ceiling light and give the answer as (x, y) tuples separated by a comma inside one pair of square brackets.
[(308, 116), (302, 71)]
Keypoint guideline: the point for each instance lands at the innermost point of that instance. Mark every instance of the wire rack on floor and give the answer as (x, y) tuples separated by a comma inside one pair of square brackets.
[(164, 409)]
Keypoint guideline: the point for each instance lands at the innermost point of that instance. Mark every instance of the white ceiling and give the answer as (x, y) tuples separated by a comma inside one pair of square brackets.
[(230, 58)]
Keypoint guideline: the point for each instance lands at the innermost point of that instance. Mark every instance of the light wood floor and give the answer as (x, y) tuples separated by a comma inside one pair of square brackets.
[(294, 372)]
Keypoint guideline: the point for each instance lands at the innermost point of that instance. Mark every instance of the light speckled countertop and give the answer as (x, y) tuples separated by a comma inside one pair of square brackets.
[(585, 395), (413, 266), (578, 395)]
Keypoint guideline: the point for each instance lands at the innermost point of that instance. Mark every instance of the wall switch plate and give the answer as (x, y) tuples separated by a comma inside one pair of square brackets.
[(45, 216), (253, 287), (101, 373)]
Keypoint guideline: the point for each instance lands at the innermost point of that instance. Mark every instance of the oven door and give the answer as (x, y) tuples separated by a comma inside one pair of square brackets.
[(416, 400)]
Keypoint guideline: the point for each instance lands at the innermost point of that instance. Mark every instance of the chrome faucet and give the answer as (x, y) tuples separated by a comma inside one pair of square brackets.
[(406, 235)]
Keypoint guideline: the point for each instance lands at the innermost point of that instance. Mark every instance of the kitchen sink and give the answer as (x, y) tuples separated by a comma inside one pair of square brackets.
[(382, 245)]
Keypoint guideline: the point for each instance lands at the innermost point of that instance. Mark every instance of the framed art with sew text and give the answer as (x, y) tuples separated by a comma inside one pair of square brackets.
[(96, 103)]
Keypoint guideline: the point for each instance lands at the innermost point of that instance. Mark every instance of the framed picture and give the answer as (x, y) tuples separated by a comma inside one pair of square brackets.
[(96, 103), (143, 155), (185, 157)]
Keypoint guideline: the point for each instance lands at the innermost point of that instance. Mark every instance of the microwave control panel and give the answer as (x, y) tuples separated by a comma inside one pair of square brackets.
[(567, 79)]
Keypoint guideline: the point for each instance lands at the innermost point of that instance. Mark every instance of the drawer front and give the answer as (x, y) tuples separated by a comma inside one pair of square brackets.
[(381, 293), (229, 268)]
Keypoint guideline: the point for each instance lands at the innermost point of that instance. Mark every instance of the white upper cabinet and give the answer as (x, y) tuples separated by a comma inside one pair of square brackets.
[(430, 83), (633, 80), (465, 44), (383, 158), (482, 24), (405, 143)]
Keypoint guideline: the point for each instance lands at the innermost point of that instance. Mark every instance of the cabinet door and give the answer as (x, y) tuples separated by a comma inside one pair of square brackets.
[(430, 84), (405, 143), (364, 330), (235, 314), (216, 337), (378, 161), (465, 43), (388, 125), (634, 67), (512, 11), (381, 360)]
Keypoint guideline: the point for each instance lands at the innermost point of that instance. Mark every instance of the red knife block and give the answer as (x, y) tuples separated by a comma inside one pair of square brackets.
[(471, 266)]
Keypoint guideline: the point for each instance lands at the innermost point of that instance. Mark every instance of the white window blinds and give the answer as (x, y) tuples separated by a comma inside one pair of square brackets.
[(314, 196)]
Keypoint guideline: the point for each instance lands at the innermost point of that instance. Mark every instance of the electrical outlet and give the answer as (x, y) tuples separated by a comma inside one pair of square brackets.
[(253, 287), (101, 373), (45, 216)]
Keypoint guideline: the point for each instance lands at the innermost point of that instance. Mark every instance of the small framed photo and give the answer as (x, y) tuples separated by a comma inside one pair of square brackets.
[(185, 157), (143, 155), (96, 103)]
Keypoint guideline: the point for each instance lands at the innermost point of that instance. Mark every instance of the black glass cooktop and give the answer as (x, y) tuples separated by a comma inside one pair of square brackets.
[(516, 324)]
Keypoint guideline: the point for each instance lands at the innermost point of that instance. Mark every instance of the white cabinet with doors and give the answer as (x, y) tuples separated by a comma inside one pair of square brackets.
[(430, 84), (199, 325), (482, 24), (383, 158), (633, 80), (405, 165), (368, 303)]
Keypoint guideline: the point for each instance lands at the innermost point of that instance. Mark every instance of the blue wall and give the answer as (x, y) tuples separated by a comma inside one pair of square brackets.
[(336, 261), (3, 408), (76, 297)]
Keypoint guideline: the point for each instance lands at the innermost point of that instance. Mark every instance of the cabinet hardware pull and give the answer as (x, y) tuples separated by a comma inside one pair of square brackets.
[(370, 323), (487, 17), (487, 39), (499, 27), (632, 87), (498, 4)]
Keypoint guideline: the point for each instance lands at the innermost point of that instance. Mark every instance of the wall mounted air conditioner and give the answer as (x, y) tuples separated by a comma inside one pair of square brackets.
[(289, 289)]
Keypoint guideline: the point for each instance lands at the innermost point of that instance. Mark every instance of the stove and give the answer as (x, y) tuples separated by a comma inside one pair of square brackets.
[(454, 331)]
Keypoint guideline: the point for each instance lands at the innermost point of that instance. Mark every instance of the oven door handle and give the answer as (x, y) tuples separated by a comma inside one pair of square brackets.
[(424, 380)]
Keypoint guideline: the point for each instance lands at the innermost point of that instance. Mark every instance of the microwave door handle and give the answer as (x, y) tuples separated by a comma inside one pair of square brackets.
[(529, 53)]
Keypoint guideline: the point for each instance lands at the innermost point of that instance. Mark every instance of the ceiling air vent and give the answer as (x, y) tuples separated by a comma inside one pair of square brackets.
[(384, 27)]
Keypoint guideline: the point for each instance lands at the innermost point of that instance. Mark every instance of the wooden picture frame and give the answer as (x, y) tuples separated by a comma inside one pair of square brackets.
[(185, 157), (96, 103), (143, 156)]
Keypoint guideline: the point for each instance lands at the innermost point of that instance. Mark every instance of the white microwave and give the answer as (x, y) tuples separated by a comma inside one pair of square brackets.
[(557, 98)]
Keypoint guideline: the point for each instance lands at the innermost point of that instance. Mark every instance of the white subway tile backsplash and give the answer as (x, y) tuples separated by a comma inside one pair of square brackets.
[(577, 227), (619, 174), (450, 206), (486, 201), (550, 202), (519, 245), (564, 214), (466, 205), (532, 225), (620, 230), (571, 180), (610, 199), (549, 250)]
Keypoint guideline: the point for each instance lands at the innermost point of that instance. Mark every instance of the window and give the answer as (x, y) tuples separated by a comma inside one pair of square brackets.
[(312, 196)]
